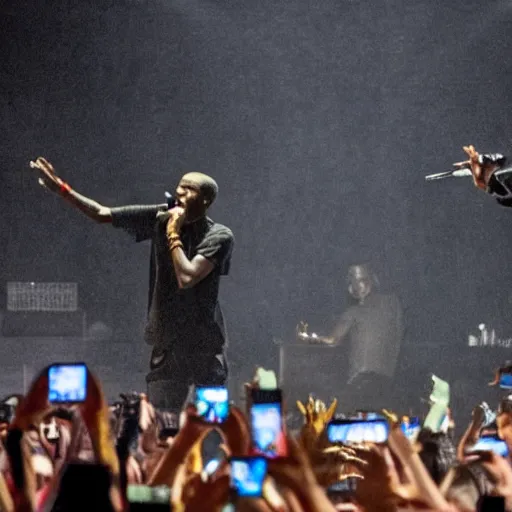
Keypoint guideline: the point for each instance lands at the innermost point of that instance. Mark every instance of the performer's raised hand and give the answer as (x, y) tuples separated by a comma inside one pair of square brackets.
[(481, 170), (48, 178)]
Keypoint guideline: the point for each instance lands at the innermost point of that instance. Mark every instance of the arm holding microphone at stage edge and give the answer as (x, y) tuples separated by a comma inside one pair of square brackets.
[(489, 171)]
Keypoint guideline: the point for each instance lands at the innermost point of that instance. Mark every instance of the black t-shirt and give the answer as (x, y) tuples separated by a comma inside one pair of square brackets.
[(375, 335), (181, 319)]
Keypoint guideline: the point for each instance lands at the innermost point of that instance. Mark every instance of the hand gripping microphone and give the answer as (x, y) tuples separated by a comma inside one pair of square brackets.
[(465, 170)]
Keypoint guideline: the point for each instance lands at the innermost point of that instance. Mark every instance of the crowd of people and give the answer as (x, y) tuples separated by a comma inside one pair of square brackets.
[(91, 455)]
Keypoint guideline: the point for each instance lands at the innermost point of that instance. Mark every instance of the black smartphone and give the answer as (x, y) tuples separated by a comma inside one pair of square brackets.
[(491, 443), (248, 475), (153, 499), (67, 383), (358, 431), (212, 403), (487, 503), (167, 432), (6, 413), (267, 425)]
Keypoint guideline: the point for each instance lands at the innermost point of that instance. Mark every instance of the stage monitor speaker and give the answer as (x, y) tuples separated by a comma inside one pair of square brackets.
[(33, 324)]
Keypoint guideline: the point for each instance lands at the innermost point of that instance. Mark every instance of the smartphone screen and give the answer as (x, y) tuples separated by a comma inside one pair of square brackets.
[(411, 427), (367, 415), (267, 423), (506, 380), (212, 403), (347, 486), (491, 443), (144, 497), (357, 431), (67, 383), (247, 475)]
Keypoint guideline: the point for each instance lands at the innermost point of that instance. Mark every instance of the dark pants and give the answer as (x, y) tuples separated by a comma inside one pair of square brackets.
[(368, 391), (182, 370)]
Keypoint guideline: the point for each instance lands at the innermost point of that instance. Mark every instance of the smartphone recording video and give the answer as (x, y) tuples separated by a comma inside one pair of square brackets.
[(67, 383), (411, 427), (345, 487), (505, 381), (267, 423), (145, 498), (247, 476), (358, 431), (491, 443), (212, 403)]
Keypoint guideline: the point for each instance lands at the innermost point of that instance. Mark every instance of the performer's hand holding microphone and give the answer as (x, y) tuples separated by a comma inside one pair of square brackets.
[(480, 166)]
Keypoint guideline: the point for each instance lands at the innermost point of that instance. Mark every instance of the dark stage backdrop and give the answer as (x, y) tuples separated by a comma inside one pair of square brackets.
[(319, 120)]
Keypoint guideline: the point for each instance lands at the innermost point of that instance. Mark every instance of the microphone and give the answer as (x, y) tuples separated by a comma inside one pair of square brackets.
[(171, 202), (456, 173)]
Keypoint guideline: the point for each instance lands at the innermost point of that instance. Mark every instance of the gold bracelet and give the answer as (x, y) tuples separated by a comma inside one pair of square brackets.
[(175, 244), (173, 237)]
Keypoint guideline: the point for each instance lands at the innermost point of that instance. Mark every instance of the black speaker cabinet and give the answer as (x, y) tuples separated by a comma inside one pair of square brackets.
[(31, 324), (311, 369)]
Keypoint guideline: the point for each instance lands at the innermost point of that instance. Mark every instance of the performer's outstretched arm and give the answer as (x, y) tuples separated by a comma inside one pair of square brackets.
[(52, 182)]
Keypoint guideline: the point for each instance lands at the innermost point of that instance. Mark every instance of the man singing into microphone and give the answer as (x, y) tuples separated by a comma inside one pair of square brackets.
[(189, 253)]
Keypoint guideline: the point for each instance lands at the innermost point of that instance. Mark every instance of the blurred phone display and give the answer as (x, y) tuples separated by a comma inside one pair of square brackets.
[(247, 475), (411, 427), (357, 431), (267, 423), (212, 403), (492, 444), (67, 383)]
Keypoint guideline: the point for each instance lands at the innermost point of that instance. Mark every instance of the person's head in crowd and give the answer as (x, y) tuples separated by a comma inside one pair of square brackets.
[(466, 484), (504, 421), (7, 411), (437, 453)]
